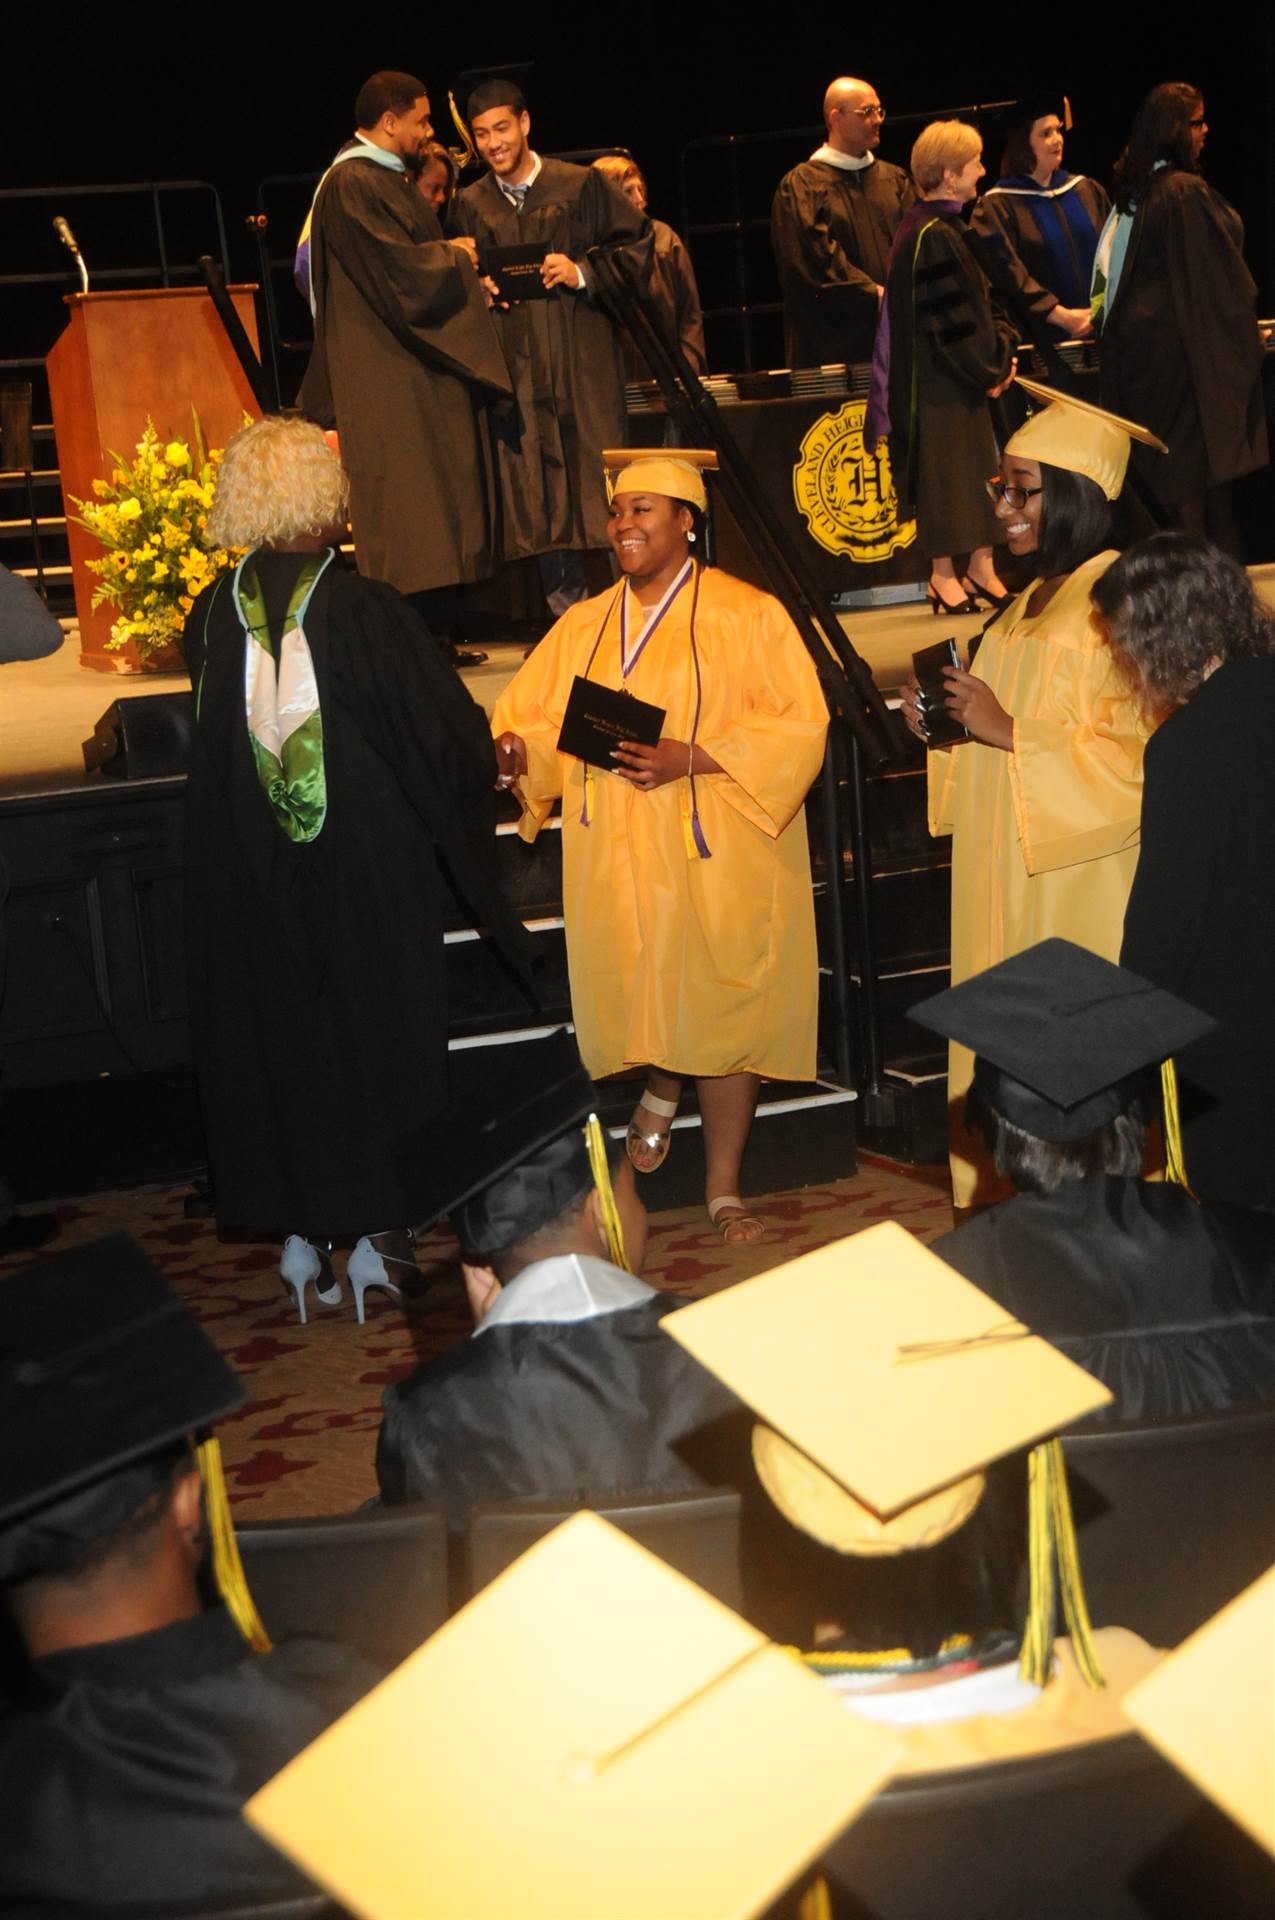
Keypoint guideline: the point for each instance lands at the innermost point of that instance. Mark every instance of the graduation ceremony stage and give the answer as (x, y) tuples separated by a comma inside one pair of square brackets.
[(96, 987), (95, 1002)]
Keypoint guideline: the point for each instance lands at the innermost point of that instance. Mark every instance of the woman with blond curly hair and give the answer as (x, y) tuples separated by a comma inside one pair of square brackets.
[(338, 764)]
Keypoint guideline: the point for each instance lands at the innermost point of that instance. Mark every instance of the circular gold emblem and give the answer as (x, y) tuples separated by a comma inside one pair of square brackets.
[(846, 494)]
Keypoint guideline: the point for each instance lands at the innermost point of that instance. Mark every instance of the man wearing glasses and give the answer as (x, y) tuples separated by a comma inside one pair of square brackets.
[(831, 224)]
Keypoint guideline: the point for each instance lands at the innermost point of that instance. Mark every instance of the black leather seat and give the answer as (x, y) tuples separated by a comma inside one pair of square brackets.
[(375, 1580), (696, 1533), (1103, 1831), (1173, 1518)]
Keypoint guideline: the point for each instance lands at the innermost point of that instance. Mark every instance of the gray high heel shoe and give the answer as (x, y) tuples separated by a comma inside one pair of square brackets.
[(301, 1262)]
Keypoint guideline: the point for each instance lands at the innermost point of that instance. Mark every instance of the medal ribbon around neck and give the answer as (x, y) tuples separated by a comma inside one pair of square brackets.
[(281, 702), (629, 660), (697, 847)]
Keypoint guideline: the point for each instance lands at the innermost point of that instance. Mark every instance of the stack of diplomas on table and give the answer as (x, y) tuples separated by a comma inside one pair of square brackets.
[(516, 271), (598, 718)]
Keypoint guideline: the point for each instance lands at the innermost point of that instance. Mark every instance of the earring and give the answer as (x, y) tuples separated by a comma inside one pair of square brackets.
[(690, 538)]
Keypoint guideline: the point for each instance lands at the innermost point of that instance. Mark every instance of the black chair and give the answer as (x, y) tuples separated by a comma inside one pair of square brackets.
[(1173, 1518), (1103, 1831), (376, 1581), (698, 1533)]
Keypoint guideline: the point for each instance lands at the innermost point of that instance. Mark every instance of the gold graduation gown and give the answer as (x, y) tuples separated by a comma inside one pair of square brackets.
[(699, 966), (1045, 838)]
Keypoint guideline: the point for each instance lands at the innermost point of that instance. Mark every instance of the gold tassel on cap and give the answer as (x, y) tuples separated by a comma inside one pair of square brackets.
[(600, 1167), (228, 1571), (1053, 1562), (1175, 1160)]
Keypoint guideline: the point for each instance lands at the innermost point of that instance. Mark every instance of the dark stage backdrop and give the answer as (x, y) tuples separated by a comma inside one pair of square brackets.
[(230, 93)]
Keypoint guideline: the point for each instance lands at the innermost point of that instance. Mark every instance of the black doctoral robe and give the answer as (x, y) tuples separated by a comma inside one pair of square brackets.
[(124, 1767), (405, 365), (831, 230), (1043, 238), (672, 287), (1170, 1304), (318, 1003), (1201, 920), (564, 354), (1180, 350), (947, 347), (581, 1411)]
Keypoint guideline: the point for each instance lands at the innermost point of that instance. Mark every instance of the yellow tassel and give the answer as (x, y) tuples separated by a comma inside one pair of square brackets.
[(1053, 1562), (1175, 1160), (1035, 1660), (600, 1167), (227, 1566), (814, 1903), (1075, 1606)]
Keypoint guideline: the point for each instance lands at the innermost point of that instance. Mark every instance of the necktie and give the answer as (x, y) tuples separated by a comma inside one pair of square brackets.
[(518, 194)]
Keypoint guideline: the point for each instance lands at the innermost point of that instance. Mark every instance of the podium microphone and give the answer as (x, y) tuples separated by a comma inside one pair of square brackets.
[(64, 234)]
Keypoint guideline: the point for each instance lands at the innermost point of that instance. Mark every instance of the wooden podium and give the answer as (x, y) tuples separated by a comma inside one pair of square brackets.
[(123, 357)]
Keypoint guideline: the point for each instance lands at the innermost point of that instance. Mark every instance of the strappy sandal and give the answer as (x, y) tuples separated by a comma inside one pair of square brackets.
[(739, 1217), (654, 1143)]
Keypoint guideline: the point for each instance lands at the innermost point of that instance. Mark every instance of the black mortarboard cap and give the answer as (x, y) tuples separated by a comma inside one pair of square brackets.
[(1034, 106), (102, 1367), (1059, 1033), (513, 1157), (497, 90)]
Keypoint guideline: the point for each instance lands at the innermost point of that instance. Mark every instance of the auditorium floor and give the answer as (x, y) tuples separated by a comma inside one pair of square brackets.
[(304, 1443)]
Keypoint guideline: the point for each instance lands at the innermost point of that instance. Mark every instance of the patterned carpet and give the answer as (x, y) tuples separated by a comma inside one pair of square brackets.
[(305, 1442)]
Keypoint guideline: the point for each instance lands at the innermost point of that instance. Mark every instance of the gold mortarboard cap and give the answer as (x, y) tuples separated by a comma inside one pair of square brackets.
[(592, 1735), (675, 472), (1210, 1707), (1080, 437), (892, 1372)]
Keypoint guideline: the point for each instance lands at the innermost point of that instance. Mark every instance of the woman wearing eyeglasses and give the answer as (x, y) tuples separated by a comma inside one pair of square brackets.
[(1177, 309), (1043, 800)]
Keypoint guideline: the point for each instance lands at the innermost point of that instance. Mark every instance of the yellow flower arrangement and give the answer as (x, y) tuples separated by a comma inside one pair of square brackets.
[(152, 517)]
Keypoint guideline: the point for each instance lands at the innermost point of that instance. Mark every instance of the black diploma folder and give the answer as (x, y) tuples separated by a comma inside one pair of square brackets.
[(516, 270), (598, 718), (941, 730)]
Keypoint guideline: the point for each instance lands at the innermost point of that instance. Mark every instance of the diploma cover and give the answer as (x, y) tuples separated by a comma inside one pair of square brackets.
[(598, 718), (516, 270), (941, 730)]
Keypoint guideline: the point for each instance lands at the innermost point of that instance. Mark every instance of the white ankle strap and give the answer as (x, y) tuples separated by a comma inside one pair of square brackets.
[(721, 1203), (653, 1104)]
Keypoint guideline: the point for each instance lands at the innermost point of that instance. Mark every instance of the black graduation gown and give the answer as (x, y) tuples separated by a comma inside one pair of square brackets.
[(944, 325), (1201, 920), (318, 1005), (581, 1411), (1169, 1304), (831, 230), (564, 354), (405, 361), (1008, 218), (124, 1767), (1180, 350), (673, 289)]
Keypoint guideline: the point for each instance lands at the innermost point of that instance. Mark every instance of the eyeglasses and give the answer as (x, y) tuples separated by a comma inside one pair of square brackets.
[(1016, 497), (869, 113), (1199, 121)]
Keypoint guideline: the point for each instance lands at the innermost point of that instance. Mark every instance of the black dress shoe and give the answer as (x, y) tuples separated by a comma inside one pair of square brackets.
[(977, 593), (939, 605), (467, 657)]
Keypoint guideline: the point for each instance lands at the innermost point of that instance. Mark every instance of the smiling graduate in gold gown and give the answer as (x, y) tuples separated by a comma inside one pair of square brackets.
[(686, 874)]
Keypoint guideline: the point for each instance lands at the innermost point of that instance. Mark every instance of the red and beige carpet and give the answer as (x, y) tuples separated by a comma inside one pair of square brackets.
[(305, 1441)]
